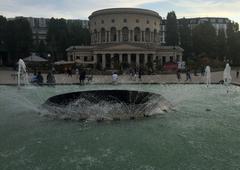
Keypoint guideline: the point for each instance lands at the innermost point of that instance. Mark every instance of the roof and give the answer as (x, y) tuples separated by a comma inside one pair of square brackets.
[(34, 58), (62, 62), (121, 11)]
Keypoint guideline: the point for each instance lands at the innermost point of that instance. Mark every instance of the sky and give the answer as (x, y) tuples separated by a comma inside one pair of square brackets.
[(81, 9)]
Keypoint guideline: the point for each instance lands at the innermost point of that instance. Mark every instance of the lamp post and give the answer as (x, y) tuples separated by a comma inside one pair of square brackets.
[(49, 62)]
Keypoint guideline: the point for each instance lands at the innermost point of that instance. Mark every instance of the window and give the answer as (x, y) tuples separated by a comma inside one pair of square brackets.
[(147, 35), (137, 34), (125, 20), (102, 35), (125, 33), (113, 21), (102, 21), (113, 34), (147, 21), (137, 20)]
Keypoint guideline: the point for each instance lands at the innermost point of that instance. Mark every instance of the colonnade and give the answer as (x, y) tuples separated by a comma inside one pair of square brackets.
[(110, 60), (124, 35)]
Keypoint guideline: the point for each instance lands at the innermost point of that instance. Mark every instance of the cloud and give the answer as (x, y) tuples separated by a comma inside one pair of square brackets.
[(82, 9), (63, 8)]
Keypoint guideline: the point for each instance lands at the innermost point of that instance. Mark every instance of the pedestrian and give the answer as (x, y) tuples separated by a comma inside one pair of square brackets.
[(237, 73), (39, 78), (69, 71), (77, 73), (188, 75), (178, 74), (140, 72), (82, 76), (50, 79), (114, 78)]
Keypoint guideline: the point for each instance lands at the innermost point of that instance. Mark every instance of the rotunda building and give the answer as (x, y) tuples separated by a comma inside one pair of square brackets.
[(124, 36)]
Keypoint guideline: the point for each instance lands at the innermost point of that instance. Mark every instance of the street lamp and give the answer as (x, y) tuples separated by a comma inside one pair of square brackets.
[(49, 62)]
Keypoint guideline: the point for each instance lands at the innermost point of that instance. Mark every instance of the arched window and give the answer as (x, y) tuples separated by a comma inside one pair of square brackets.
[(125, 33), (137, 34), (147, 35), (103, 39), (155, 36), (113, 34)]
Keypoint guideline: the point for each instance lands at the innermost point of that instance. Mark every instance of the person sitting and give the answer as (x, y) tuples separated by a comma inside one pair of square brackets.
[(39, 78), (34, 78)]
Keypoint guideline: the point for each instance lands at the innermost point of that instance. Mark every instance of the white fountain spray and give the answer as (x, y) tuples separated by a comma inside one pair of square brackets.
[(208, 75), (227, 75), (22, 73)]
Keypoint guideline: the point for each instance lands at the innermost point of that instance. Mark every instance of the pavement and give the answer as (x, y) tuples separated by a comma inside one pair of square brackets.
[(9, 77)]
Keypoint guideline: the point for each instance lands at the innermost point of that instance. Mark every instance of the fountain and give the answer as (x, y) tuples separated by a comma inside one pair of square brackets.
[(227, 78), (106, 105), (208, 75), (22, 73), (202, 132)]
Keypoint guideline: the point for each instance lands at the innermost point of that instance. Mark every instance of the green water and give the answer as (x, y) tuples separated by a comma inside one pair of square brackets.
[(189, 138)]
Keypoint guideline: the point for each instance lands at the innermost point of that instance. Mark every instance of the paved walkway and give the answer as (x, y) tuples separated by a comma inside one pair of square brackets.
[(9, 77)]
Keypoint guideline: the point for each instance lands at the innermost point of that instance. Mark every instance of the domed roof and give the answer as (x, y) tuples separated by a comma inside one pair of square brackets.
[(110, 11)]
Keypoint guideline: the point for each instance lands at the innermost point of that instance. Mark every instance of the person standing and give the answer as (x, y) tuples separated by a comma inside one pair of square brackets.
[(237, 73), (178, 75), (82, 76), (114, 78)]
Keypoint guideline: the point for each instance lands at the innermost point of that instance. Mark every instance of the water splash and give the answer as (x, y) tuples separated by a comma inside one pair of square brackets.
[(208, 75), (105, 105), (22, 73), (227, 75)]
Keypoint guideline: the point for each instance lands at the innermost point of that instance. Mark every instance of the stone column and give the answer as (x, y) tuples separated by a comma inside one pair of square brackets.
[(94, 60), (103, 61), (111, 56), (129, 58), (145, 58), (137, 59), (120, 58), (140, 36), (121, 38)]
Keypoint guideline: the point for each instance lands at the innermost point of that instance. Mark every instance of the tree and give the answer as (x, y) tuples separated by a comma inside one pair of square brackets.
[(171, 29), (18, 38), (204, 40), (41, 48), (221, 46), (233, 48), (3, 24), (185, 38), (57, 38), (78, 35)]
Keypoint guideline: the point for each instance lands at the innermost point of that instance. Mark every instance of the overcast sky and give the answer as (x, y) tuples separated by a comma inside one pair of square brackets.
[(81, 9)]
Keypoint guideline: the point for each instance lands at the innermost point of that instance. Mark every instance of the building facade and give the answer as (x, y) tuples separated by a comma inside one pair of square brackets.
[(39, 27), (124, 35), (217, 23)]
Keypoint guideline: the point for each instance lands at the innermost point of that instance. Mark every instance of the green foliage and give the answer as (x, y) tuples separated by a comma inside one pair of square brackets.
[(171, 29), (61, 35), (57, 38), (204, 40), (221, 50), (18, 38), (185, 38), (233, 48)]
